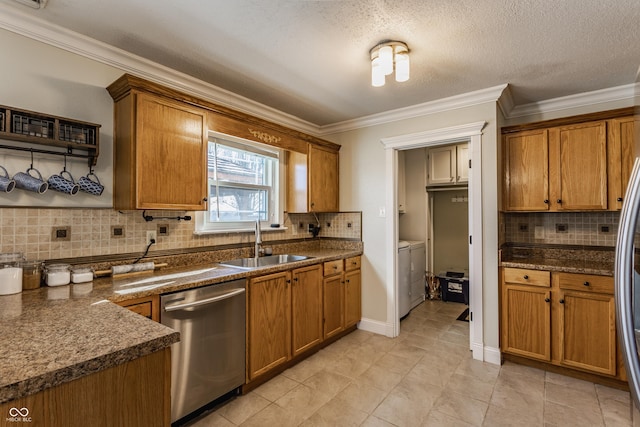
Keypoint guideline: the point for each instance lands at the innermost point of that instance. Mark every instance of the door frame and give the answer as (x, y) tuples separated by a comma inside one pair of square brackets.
[(472, 134)]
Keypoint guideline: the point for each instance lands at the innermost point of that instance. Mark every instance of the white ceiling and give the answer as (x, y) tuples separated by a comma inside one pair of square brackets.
[(311, 58)]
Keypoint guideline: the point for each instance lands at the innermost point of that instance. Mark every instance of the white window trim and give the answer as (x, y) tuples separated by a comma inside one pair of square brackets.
[(203, 227)]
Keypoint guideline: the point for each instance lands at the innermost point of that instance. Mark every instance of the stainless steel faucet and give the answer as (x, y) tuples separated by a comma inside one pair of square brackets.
[(258, 249)]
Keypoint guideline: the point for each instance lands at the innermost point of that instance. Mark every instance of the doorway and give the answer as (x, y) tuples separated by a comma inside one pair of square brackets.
[(471, 134)]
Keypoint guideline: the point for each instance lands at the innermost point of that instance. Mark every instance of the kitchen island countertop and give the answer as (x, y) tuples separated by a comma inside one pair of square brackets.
[(53, 335)]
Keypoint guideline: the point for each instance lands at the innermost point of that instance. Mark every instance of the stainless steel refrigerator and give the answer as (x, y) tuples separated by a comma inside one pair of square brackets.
[(627, 282)]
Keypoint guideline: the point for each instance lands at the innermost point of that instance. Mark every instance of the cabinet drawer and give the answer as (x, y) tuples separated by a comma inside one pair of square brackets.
[(586, 283), (527, 277), (333, 267), (352, 263)]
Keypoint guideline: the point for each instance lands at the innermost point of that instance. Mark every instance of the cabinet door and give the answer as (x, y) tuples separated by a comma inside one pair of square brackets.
[(621, 153), (462, 163), (171, 155), (526, 171), (323, 180), (333, 302), (352, 298), (588, 331), (306, 308), (269, 337), (442, 166), (297, 183), (578, 166), (526, 321)]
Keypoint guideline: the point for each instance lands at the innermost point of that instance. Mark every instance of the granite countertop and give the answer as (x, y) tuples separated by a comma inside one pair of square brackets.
[(599, 268), (58, 334)]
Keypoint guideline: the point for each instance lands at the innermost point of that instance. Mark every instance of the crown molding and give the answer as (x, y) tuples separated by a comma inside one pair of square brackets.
[(612, 94), (14, 19), (482, 96)]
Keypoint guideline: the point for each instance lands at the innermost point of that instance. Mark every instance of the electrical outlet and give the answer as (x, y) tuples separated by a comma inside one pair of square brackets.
[(311, 226), (151, 235), (539, 232)]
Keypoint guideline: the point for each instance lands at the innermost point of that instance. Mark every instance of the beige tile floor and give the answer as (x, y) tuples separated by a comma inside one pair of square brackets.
[(424, 377)]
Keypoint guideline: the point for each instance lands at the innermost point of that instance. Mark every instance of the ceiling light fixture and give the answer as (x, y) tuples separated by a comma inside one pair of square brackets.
[(385, 58)]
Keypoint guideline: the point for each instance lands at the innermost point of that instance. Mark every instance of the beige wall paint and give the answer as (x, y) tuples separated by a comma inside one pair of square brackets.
[(362, 171)]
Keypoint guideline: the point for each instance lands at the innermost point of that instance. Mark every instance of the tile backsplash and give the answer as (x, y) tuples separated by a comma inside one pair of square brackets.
[(31, 231), (567, 228)]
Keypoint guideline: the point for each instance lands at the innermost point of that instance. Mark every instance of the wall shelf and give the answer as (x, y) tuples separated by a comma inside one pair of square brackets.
[(67, 137)]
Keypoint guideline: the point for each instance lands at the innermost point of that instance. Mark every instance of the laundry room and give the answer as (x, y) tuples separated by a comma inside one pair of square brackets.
[(433, 206)]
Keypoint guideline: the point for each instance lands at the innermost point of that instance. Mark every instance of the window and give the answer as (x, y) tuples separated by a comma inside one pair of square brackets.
[(243, 182)]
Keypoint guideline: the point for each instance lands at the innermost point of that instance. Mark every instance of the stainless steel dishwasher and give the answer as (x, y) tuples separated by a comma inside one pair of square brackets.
[(208, 362)]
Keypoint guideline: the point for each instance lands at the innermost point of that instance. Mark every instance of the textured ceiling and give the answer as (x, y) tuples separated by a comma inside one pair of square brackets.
[(311, 58)]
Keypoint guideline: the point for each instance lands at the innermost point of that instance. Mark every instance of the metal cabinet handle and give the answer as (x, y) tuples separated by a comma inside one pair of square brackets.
[(619, 199), (546, 201), (204, 301), (295, 280), (559, 200), (204, 199), (526, 277), (288, 281), (561, 301), (547, 300), (586, 283)]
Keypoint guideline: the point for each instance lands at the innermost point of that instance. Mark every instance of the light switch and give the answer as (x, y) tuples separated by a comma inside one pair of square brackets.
[(539, 232), (382, 212)]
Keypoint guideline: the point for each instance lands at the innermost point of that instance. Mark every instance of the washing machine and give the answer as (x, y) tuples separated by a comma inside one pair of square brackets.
[(404, 282), (418, 255)]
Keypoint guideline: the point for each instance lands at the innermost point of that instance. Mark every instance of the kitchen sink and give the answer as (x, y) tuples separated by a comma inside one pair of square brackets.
[(264, 261)]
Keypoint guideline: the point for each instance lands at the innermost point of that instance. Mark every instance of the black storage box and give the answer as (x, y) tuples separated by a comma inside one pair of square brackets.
[(454, 287)]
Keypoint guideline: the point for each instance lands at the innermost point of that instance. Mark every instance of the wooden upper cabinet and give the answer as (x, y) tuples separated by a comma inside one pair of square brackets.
[(621, 153), (526, 171), (578, 166), (160, 154), (312, 180), (323, 180)]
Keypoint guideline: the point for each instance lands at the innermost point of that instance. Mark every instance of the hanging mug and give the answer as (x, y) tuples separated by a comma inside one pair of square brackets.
[(28, 182), (64, 185), (90, 186), (6, 183)]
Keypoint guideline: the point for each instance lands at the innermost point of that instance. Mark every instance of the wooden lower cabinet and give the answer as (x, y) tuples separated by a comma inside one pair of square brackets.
[(135, 393), (148, 307), (342, 295), (333, 302), (352, 298), (570, 323), (526, 315), (306, 312), (289, 314), (268, 323)]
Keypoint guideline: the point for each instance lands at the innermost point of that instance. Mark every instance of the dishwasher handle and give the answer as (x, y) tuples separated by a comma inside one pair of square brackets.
[(205, 301)]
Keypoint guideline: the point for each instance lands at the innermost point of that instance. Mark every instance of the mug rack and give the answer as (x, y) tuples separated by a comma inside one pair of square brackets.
[(66, 137)]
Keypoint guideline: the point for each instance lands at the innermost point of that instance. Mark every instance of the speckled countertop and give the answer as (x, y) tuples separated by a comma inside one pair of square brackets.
[(585, 261), (53, 335), (562, 265)]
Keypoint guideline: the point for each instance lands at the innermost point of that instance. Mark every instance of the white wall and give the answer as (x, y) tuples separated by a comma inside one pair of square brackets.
[(362, 170)]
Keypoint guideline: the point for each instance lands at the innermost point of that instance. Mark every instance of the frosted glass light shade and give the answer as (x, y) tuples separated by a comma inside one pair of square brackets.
[(377, 76), (402, 67), (386, 59)]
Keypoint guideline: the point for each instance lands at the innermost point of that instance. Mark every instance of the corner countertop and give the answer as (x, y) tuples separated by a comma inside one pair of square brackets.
[(54, 335)]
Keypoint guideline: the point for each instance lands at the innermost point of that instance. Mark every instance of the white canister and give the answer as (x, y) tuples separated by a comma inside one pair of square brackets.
[(81, 274), (10, 273), (58, 274)]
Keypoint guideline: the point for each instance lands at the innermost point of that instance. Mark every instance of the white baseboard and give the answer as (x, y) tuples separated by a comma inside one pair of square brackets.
[(492, 355), (376, 326)]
